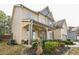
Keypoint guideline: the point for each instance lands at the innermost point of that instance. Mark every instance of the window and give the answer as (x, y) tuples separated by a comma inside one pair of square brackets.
[(34, 35), (29, 15), (49, 34), (50, 22)]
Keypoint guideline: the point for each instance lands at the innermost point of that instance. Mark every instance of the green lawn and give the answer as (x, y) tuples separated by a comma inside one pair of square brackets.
[(10, 50)]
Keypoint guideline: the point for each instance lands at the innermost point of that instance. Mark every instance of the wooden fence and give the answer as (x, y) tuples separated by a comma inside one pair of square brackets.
[(5, 37)]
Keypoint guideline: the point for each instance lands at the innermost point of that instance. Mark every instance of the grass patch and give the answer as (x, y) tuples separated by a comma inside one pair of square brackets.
[(10, 50)]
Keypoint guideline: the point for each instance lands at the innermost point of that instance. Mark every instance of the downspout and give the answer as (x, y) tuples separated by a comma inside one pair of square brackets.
[(30, 32)]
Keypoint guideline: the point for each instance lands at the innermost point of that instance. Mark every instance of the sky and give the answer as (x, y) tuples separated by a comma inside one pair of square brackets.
[(61, 9)]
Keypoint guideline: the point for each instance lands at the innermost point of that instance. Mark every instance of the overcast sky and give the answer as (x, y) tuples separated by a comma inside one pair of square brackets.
[(61, 9)]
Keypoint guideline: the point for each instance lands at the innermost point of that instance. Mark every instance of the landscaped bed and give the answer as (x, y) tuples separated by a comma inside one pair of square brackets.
[(54, 47), (49, 48), (10, 49)]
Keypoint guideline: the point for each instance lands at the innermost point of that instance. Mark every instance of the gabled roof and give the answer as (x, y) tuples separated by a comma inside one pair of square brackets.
[(77, 30), (59, 24), (47, 13), (50, 16), (71, 28)]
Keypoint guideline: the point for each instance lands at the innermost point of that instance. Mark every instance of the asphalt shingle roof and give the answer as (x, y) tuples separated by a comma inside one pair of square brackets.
[(47, 12), (59, 24)]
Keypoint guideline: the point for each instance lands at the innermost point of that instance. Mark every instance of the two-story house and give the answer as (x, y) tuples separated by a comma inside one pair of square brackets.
[(29, 25), (60, 30), (77, 33), (71, 33)]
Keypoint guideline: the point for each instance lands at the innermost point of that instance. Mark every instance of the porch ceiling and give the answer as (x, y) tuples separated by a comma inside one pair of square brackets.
[(25, 23), (37, 27), (40, 25)]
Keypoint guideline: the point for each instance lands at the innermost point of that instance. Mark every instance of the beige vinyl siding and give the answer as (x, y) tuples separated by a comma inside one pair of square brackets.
[(64, 32), (42, 19), (16, 24), (64, 29), (47, 21), (57, 34), (25, 34), (27, 14)]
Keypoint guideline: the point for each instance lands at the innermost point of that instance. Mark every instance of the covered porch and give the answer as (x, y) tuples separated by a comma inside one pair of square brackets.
[(34, 30)]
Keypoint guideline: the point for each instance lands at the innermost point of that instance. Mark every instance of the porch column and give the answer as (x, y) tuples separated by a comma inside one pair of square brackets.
[(47, 33), (36, 36), (30, 33), (52, 34)]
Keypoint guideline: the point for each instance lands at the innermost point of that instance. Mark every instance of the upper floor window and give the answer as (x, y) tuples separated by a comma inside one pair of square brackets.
[(29, 15), (34, 34), (50, 22)]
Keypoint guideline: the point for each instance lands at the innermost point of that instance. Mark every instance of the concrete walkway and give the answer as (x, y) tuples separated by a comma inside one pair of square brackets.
[(74, 49), (76, 45)]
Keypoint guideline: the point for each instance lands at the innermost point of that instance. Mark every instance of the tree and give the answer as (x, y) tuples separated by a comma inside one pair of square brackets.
[(5, 24), (2, 15)]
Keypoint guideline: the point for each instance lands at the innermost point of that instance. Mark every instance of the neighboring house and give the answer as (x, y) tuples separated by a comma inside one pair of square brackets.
[(28, 25), (71, 33), (60, 30), (77, 33)]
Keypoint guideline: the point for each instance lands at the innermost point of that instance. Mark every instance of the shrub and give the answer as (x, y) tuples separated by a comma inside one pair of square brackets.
[(35, 43), (68, 42), (57, 40), (68, 39), (36, 47), (51, 46)]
